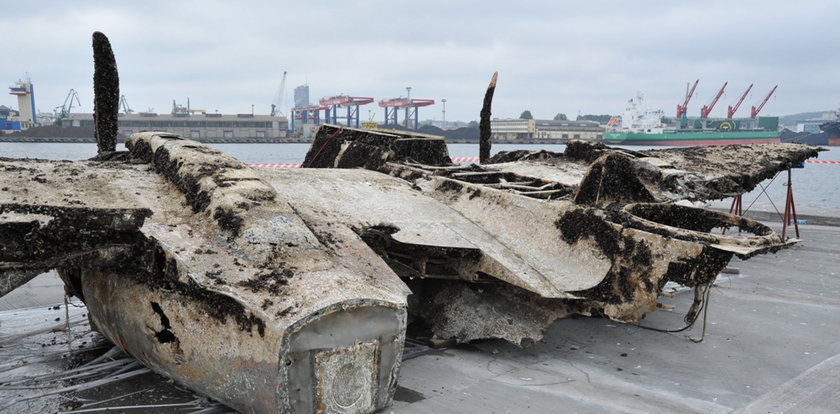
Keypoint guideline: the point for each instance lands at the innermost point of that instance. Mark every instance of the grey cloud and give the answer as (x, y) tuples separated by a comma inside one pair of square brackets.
[(552, 57)]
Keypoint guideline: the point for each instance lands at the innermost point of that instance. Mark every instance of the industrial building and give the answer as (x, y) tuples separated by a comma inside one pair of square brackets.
[(543, 131), (206, 127)]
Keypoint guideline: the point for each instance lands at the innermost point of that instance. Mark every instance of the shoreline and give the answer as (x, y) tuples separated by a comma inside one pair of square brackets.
[(91, 140)]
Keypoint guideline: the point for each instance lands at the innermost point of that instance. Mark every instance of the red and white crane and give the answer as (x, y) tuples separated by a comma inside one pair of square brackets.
[(732, 109), (352, 104), (410, 105), (754, 112), (681, 109), (707, 109)]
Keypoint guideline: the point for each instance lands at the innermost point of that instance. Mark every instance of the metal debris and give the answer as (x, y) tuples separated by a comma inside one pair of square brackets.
[(290, 291), (595, 234), (181, 248)]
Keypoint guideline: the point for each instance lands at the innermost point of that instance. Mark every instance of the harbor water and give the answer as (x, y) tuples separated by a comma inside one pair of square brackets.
[(815, 185)]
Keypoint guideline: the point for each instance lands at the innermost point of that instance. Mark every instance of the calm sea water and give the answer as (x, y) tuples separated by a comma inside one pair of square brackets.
[(816, 185)]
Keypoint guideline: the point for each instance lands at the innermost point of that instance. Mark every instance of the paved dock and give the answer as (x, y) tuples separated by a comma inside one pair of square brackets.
[(771, 346)]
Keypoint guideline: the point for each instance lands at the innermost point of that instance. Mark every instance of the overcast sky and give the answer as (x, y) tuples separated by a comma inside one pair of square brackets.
[(583, 56)]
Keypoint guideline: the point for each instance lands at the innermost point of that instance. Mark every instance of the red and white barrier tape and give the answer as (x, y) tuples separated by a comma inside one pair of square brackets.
[(466, 159), (297, 165), (283, 165)]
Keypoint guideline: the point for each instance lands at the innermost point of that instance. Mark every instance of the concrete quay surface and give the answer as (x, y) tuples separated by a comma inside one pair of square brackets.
[(768, 212), (771, 346)]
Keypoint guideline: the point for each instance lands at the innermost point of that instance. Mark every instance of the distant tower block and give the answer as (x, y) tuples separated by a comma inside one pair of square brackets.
[(352, 104), (410, 105), (26, 101), (302, 96)]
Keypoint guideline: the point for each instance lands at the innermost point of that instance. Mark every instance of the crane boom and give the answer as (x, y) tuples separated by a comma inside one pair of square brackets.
[(707, 109), (681, 109), (278, 100), (732, 109), (754, 112), (63, 111), (124, 105)]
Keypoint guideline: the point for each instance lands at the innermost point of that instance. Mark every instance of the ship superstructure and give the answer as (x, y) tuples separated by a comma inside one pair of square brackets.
[(642, 126)]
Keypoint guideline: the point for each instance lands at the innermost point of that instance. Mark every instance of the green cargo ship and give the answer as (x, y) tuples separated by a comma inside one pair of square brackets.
[(640, 126), (692, 137)]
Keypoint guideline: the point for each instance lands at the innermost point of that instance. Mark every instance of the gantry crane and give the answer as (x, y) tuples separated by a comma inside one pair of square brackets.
[(754, 112), (352, 104), (681, 109), (730, 112), (392, 105), (707, 109)]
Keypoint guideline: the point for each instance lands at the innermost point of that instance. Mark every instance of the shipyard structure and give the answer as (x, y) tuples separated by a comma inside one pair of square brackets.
[(24, 117), (203, 127), (536, 131)]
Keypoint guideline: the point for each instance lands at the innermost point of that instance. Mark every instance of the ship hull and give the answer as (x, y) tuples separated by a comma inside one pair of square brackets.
[(692, 138)]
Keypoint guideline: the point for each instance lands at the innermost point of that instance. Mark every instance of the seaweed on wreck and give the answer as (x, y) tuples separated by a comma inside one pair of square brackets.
[(272, 281), (612, 178), (626, 277), (149, 265), (228, 221), (485, 134), (522, 155), (585, 223), (450, 185), (340, 147), (188, 178), (710, 162), (188, 184), (106, 86), (698, 270), (36, 242)]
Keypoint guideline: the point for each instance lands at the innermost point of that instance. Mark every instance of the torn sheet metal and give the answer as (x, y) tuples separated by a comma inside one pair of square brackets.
[(667, 175), (592, 214), (179, 248), (223, 287)]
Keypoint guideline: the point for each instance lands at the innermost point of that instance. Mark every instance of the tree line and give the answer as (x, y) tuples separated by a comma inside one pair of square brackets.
[(526, 114)]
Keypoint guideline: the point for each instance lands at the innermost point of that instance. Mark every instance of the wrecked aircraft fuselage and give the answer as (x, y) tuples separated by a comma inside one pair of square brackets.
[(290, 291)]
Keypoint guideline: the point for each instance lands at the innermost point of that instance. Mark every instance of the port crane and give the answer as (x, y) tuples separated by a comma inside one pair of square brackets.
[(410, 104), (754, 112), (681, 109), (63, 111), (124, 105), (352, 104), (278, 100), (707, 109), (732, 109)]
